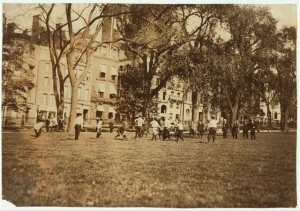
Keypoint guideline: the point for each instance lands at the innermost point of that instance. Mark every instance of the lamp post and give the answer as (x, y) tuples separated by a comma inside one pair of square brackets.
[(37, 112)]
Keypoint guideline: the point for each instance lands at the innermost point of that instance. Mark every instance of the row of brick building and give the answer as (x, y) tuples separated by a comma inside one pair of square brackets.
[(97, 94)]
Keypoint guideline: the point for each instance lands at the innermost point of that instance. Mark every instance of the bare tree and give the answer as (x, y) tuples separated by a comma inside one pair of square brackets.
[(74, 40)]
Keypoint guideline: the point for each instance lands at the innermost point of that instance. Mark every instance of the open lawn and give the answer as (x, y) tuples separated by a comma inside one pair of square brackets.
[(55, 170)]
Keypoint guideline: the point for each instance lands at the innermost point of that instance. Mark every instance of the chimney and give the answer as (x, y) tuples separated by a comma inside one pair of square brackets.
[(4, 23), (11, 28), (58, 25), (36, 25)]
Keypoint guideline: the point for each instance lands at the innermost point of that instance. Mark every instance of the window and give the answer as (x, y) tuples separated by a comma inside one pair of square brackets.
[(110, 115), (103, 70), (187, 111), (275, 115), (88, 76), (104, 50), (66, 92), (164, 95), (101, 94), (52, 100), (47, 67), (86, 96), (112, 96), (46, 81), (44, 99), (114, 73), (171, 105), (114, 23), (177, 106), (178, 94), (99, 114), (163, 109)]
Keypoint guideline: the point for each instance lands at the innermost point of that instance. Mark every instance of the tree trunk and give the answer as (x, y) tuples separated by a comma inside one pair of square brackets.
[(194, 104), (269, 117), (145, 107), (284, 117), (233, 114), (73, 112)]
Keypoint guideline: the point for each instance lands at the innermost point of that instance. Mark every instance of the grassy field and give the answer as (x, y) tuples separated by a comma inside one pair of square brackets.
[(55, 170)]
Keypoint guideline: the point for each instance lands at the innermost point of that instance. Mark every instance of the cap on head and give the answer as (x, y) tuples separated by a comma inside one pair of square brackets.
[(213, 116)]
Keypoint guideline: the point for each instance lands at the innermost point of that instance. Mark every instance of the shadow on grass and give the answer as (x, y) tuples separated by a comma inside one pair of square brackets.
[(201, 142)]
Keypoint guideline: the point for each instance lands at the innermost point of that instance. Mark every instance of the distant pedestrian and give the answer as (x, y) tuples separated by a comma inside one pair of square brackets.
[(40, 123), (99, 128), (111, 124), (138, 126), (155, 128), (78, 125), (225, 128), (245, 129), (166, 130), (235, 129), (61, 123), (180, 131), (176, 130), (161, 123), (122, 131), (253, 128), (53, 124), (47, 122), (192, 129), (200, 129), (212, 128)]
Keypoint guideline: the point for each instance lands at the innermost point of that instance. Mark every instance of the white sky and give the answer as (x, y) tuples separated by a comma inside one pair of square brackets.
[(284, 13)]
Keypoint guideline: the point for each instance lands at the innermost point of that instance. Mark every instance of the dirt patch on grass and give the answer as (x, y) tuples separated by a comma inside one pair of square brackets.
[(55, 170)]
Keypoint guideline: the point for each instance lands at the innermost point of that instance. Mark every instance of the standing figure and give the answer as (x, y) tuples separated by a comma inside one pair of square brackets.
[(192, 129), (47, 122), (53, 124), (200, 129), (40, 123), (155, 128), (180, 131), (166, 130), (235, 129), (253, 127), (145, 128), (138, 126), (161, 123), (212, 128), (245, 129), (225, 128), (99, 128), (78, 125), (176, 130), (111, 124), (60, 123)]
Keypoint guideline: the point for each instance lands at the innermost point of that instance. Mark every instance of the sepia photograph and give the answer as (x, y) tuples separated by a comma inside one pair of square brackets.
[(156, 105)]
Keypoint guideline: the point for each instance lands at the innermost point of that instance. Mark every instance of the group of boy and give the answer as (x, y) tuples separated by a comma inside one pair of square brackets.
[(50, 123), (247, 125), (161, 127)]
